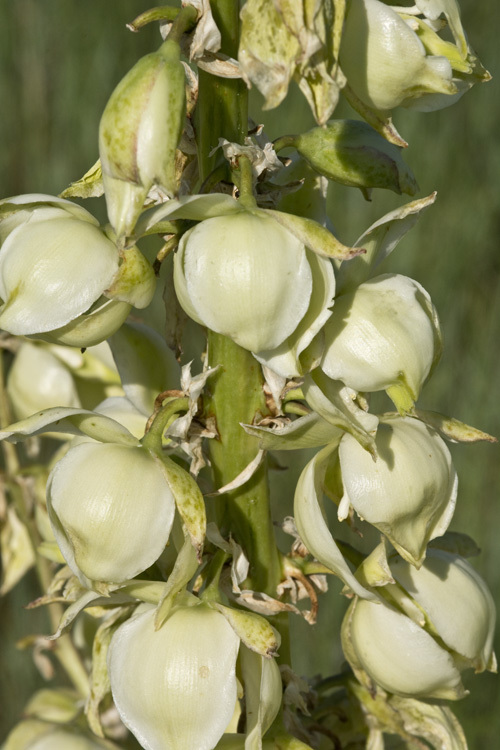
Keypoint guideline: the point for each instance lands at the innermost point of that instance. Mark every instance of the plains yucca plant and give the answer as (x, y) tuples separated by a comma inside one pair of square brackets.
[(217, 318)]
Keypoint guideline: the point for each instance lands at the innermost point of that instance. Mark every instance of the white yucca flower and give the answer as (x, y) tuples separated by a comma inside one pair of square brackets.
[(111, 510), (438, 620), (247, 277), (384, 335), (409, 492), (61, 278), (175, 687), (385, 61)]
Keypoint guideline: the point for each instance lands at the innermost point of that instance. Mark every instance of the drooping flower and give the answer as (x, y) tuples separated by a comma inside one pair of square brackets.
[(384, 335), (175, 687), (392, 59), (248, 277), (436, 621), (61, 278)]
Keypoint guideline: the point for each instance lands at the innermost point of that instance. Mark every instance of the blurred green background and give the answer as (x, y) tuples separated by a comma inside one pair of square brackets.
[(60, 60)]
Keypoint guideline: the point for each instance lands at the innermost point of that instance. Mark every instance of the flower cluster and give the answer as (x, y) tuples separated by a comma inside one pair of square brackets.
[(304, 329)]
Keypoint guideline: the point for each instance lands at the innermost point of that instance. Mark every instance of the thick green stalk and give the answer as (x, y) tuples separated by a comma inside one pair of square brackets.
[(237, 397), (222, 109), (236, 394)]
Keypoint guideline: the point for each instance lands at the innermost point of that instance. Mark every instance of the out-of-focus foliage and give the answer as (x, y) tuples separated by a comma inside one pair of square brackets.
[(59, 61)]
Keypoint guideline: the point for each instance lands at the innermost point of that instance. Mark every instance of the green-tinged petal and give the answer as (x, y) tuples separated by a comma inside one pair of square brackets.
[(16, 550), (88, 186), (268, 50), (164, 681), (312, 526), (123, 411), (432, 9), (135, 282), (409, 492), (263, 693), (336, 404), (74, 421), (379, 241), (434, 723), (91, 328), (51, 272), (111, 510), (185, 566), (145, 363), (452, 429), (311, 431), (100, 685), (400, 656), (188, 499), (37, 207)]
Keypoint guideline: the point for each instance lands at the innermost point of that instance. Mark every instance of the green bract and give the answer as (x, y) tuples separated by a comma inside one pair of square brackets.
[(353, 153), (139, 132), (383, 336)]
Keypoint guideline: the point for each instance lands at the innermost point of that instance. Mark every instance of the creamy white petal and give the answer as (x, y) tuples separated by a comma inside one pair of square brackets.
[(409, 492), (51, 272), (285, 359), (111, 510), (38, 380), (245, 277), (175, 687), (457, 602), (400, 656), (312, 526)]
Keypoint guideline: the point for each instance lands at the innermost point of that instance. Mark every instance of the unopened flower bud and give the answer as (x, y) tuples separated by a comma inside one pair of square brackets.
[(111, 510), (383, 336), (421, 650), (409, 492), (55, 266), (175, 687), (247, 277), (353, 153), (384, 60), (139, 132)]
